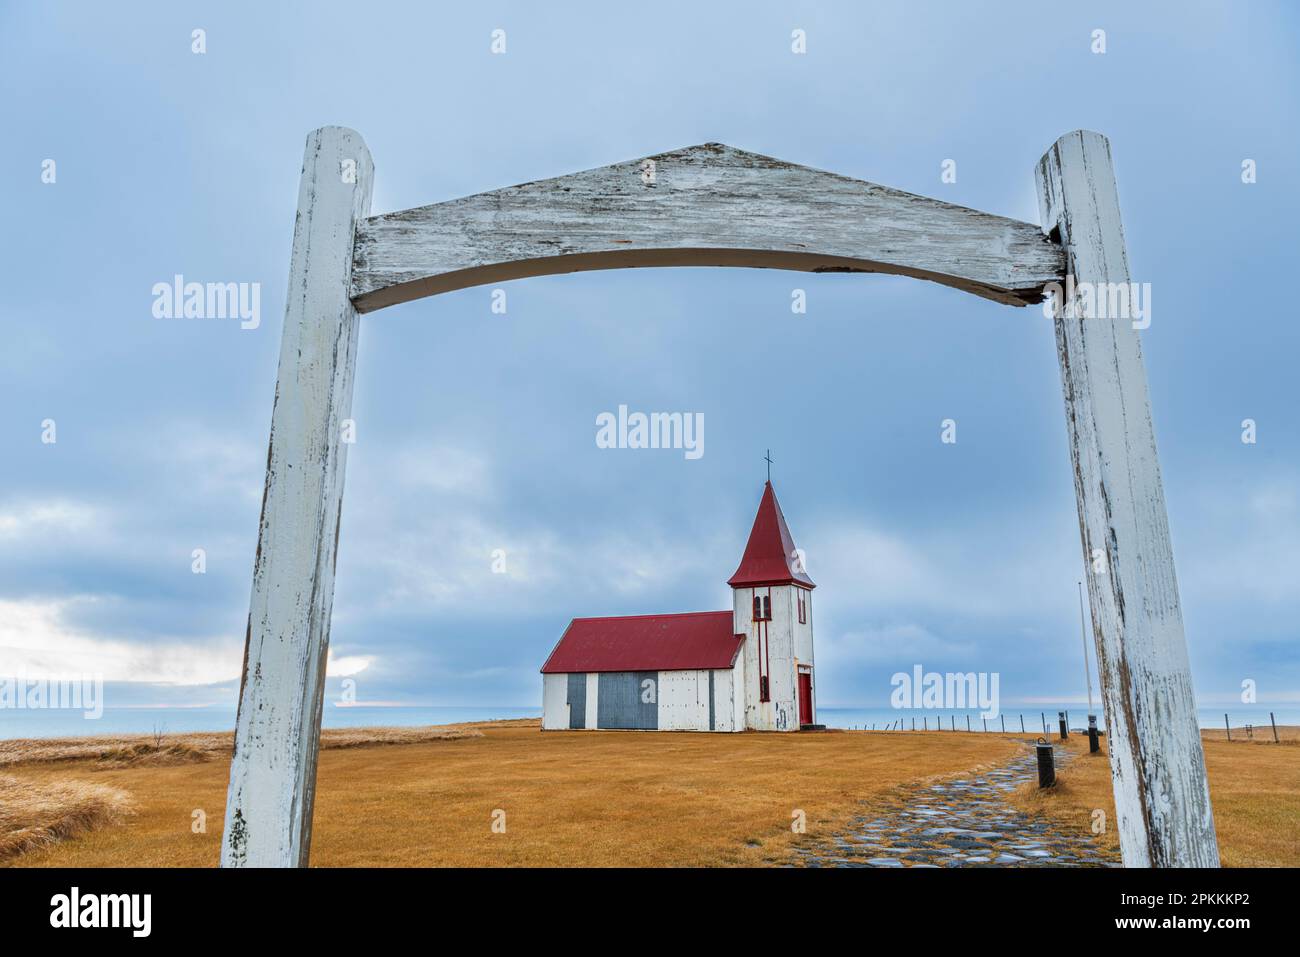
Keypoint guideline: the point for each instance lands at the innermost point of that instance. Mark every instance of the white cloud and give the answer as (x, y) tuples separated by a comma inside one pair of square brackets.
[(1245, 546), (441, 468), (39, 520), (966, 571), (210, 462), (346, 665), (844, 649), (445, 563), (36, 638)]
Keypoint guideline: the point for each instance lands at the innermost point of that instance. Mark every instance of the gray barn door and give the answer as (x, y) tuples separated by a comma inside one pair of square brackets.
[(577, 701), (622, 701)]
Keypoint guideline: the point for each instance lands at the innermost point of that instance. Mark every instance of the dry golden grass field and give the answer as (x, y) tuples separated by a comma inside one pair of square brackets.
[(426, 797), (1254, 789)]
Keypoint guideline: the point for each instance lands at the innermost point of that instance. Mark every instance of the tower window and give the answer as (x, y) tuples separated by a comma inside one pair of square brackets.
[(762, 608), (762, 689), (803, 608)]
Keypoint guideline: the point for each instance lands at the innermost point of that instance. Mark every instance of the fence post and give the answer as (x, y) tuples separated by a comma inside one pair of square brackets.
[(1274, 724), (1046, 766), (1227, 727)]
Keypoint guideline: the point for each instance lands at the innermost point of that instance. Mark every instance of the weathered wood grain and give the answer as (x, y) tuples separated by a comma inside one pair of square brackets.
[(273, 771), (709, 205), (1161, 793)]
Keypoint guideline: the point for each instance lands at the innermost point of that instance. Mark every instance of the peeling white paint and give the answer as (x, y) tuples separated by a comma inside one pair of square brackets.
[(273, 771), (1162, 797), (709, 205)]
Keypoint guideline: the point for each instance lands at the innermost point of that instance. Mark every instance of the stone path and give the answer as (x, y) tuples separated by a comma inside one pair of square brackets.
[(961, 823)]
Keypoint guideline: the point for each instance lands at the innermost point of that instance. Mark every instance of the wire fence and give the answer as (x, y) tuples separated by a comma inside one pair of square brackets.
[(1053, 724), (1249, 731), (961, 721)]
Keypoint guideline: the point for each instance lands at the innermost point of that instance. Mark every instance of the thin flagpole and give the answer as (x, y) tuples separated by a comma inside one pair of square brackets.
[(1083, 631)]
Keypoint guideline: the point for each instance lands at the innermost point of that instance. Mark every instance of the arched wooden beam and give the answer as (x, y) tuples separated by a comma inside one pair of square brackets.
[(709, 205)]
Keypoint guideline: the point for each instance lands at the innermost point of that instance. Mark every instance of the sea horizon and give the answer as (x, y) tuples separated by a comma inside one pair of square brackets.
[(68, 723)]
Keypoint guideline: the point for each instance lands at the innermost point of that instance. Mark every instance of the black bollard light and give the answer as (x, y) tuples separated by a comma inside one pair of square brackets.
[(1046, 766), (1064, 733), (1093, 746)]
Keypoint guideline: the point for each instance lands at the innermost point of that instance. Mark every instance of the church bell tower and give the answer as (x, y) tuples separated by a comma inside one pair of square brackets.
[(773, 609)]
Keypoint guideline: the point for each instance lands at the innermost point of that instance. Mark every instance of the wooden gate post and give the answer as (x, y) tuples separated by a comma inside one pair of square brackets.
[(1162, 796), (277, 733)]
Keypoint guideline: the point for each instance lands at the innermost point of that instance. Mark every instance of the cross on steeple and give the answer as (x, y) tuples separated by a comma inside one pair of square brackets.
[(768, 459)]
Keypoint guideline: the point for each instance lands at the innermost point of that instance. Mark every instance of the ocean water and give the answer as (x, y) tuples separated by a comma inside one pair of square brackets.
[(50, 723)]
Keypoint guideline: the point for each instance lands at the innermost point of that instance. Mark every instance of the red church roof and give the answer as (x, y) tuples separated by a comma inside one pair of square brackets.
[(770, 557), (698, 640)]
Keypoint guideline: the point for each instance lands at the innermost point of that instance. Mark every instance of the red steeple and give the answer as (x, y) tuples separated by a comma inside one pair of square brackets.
[(770, 557)]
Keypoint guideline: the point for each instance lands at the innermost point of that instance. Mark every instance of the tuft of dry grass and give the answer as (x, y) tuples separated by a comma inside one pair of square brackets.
[(38, 815), (1254, 790), (371, 737), (1081, 788)]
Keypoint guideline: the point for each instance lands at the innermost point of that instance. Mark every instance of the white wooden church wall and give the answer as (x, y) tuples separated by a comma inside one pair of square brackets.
[(803, 643), (682, 699), (738, 690), (555, 704), (593, 701), (781, 712)]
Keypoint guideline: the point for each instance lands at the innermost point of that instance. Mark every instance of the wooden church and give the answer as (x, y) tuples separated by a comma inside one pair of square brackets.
[(750, 668)]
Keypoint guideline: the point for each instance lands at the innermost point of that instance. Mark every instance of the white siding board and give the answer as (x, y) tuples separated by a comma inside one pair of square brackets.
[(593, 700), (555, 707)]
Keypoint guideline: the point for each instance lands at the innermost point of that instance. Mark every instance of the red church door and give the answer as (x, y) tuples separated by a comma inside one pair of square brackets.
[(805, 698)]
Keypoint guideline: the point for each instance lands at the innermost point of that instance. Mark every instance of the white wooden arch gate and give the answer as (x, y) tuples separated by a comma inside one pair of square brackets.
[(712, 205)]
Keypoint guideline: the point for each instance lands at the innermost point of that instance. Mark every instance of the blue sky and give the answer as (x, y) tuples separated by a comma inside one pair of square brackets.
[(475, 431)]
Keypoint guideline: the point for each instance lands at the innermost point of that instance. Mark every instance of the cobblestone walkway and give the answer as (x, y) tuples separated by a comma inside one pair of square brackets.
[(962, 823)]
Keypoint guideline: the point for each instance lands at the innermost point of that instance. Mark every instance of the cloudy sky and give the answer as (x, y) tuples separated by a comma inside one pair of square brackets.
[(475, 431)]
